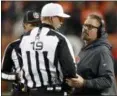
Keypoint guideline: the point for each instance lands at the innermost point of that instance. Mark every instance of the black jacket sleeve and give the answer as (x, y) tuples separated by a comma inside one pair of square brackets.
[(67, 60), (105, 72), (7, 65)]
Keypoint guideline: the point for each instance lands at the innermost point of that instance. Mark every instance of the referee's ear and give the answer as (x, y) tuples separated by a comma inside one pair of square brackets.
[(27, 27)]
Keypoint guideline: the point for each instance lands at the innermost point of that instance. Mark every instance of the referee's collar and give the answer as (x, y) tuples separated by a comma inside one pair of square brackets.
[(47, 25)]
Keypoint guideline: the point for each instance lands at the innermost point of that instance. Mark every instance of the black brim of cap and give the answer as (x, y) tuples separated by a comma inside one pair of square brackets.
[(31, 21)]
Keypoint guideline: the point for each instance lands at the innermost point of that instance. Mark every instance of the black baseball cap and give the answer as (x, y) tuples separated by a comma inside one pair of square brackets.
[(31, 16)]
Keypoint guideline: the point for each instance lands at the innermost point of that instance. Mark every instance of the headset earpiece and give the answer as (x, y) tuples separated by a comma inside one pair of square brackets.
[(101, 29)]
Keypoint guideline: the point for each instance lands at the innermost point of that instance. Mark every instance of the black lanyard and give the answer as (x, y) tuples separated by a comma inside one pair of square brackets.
[(38, 34)]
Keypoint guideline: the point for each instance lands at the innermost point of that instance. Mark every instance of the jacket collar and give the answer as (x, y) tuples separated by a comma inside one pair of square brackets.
[(99, 42)]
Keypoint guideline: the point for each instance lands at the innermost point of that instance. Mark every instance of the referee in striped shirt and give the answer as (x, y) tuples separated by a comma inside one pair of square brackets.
[(12, 60), (47, 55)]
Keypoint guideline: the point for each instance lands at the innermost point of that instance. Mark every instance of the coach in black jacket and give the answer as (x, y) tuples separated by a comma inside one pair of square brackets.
[(95, 68)]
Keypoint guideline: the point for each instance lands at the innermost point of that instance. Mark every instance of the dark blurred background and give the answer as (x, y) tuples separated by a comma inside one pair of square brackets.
[(12, 18)]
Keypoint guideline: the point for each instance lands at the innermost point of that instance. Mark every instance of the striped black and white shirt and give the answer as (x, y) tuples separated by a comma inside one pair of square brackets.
[(12, 61), (47, 58)]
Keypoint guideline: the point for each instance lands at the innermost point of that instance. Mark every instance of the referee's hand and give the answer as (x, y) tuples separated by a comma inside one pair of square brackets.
[(76, 82)]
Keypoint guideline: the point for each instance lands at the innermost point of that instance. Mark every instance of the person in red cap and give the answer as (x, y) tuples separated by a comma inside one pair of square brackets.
[(12, 59)]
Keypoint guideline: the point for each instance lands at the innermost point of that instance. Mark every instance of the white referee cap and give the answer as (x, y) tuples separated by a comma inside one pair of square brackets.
[(53, 9)]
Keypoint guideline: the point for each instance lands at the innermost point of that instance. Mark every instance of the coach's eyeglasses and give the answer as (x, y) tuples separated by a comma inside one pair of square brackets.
[(89, 26)]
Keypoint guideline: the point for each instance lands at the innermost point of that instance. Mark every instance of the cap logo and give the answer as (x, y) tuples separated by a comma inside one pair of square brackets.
[(35, 15)]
